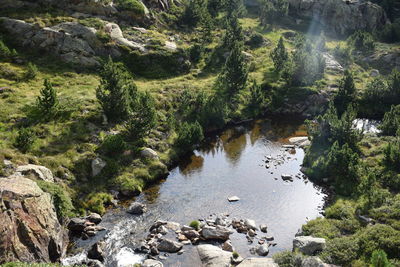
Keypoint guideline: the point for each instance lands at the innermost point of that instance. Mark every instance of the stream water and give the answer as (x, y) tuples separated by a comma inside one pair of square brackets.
[(232, 163)]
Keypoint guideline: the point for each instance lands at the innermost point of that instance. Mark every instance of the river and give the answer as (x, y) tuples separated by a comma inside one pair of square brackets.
[(232, 163)]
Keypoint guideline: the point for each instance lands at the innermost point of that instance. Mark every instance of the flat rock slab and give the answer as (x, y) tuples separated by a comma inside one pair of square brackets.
[(213, 256)]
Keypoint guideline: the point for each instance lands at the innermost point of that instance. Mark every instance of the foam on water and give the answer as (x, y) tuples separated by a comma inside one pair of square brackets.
[(74, 260), (127, 257)]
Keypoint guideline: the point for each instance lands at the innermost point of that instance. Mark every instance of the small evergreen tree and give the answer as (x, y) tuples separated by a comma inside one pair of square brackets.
[(362, 41), (143, 117), (391, 158), (233, 33), (25, 139), (279, 56), (379, 259), (256, 101), (189, 135), (31, 71), (116, 91), (391, 121), (47, 101), (346, 93), (233, 77)]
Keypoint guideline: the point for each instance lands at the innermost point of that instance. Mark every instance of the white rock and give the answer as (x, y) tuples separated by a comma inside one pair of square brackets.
[(233, 198), (258, 262), (149, 153), (97, 166), (251, 224)]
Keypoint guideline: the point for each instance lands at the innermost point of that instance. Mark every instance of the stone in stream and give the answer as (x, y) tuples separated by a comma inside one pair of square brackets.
[(308, 245), (263, 228), (96, 252), (137, 208), (233, 198), (227, 246), (167, 245), (216, 233), (287, 177), (262, 250), (250, 224), (94, 218)]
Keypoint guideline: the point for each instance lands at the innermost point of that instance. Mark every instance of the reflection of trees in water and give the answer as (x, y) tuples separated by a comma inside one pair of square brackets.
[(234, 141), (281, 129), (151, 194), (191, 164)]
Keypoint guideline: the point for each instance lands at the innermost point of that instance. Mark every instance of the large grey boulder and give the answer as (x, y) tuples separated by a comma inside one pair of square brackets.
[(36, 171), (341, 17), (29, 227), (212, 256), (218, 232), (258, 262), (308, 245)]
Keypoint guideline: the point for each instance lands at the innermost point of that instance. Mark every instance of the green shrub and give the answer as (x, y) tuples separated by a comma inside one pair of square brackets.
[(195, 225), (128, 184), (96, 202), (362, 41), (380, 236), (235, 254), (255, 40), (61, 200), (341, 251), (131, 5), (288, 259), (113, 144), (391, 158), (391, 121), (195, 53), (31, 71), (379, 259), (321, 227), (189, 134), (25, 139)]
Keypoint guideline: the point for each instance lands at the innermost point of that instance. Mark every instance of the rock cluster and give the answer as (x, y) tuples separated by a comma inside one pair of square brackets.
[(85, 227)]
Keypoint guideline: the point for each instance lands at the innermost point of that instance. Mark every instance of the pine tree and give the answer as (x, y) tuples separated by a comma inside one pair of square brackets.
[(256, 100), (346, 93), (233, 33), (142, 118), (47, 101), (116, 91), (379, 259), (233, 77), (279, 56)]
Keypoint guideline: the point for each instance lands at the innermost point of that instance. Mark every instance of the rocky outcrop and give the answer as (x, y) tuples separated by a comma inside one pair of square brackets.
[(212, 256), (339, 16), (97, 166), (308, 245), (36, 171), (29, 228)]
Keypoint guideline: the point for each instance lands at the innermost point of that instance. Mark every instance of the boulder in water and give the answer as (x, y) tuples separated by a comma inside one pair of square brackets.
[(137, 208), (213, 256), (167, 245), (308, 245)]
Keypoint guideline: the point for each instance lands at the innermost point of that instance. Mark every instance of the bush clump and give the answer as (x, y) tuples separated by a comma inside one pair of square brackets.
[(195, 225), (113, 144), (25, 139), (96, 202), (189, 134)]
